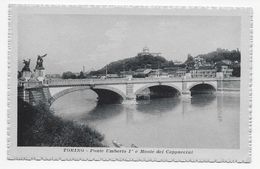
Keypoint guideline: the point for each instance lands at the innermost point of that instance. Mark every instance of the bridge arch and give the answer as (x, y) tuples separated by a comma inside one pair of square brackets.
[(101, 91), (108, 94), (202, 87), (171, 88)]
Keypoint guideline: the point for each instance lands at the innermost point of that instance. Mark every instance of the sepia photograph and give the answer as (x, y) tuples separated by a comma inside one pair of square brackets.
[(124, 82)]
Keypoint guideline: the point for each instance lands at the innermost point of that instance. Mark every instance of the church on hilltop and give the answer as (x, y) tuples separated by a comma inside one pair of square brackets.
[(147, 52)]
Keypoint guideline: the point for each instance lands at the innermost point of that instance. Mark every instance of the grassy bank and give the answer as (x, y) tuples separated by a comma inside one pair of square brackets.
[(37, 126)]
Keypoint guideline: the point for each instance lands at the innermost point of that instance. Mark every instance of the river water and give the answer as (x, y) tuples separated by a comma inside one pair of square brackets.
[(206, 121)]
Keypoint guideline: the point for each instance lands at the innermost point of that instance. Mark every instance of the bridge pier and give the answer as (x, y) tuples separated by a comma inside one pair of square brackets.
[(186, 95), (34, 96), (129, 101), (130, 92)]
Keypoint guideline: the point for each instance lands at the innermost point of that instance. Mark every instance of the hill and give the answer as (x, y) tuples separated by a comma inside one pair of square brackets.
[(154, 62), (134, 63)]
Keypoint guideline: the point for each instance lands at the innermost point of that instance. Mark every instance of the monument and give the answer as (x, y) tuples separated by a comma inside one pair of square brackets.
[(26, 72), (39, 69)]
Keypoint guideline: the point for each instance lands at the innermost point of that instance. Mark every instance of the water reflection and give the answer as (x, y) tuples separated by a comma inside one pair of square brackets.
[(220, 103), (102, 112), (202, 100), (158, 106)]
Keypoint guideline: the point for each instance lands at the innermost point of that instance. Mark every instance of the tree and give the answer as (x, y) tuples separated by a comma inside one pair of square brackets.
[(236, 70), (68, 75), (190, 62), (19, 74), (81, 75)]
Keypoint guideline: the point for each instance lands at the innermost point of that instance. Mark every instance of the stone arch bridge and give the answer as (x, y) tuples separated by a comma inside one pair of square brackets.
[(113, 90)]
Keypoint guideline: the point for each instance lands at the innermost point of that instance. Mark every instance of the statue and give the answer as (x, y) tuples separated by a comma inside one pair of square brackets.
[(26, 65), (39, 65)]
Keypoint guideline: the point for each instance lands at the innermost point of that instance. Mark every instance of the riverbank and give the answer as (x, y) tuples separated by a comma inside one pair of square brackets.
[(37, 126)]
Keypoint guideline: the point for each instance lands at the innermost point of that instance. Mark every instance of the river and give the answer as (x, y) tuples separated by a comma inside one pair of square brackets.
[(206, 121)]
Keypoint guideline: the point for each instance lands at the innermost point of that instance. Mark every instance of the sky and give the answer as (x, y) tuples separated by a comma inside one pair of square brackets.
[(73, 41)]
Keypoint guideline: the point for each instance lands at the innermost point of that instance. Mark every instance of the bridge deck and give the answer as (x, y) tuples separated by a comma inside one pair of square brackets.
[(92, 82)]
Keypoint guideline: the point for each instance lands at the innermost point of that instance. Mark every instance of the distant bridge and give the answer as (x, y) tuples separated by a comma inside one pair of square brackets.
[(118, 90)]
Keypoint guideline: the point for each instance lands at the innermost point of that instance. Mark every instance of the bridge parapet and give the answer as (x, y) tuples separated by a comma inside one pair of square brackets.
[(28, 84), (78, 82)]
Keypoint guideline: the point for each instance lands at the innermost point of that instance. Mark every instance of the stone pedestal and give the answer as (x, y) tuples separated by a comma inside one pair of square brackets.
[(26, 75), (40, 74)]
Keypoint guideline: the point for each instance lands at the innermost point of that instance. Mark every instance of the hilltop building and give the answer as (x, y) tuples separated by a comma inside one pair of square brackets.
[(147, 52)]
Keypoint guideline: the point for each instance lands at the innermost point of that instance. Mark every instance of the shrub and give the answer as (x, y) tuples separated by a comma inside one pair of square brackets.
[(37, 126)]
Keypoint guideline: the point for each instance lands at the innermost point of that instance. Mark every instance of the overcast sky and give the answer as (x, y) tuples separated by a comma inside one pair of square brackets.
[(72, 41)]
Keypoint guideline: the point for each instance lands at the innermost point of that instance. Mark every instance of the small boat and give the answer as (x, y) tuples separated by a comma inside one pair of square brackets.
[(116, 144)]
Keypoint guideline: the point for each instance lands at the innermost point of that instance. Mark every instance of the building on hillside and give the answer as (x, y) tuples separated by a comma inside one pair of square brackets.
[(93, 76), (199, 61), (203, 72), (158, 73), (155, 73), (177, 63), (164, 75), (227, 62), (227, 72), (141, 73), (127, 74), (170, 70), (112, 76), (181, 72), (222, 66), (175, 71), (147, 52)]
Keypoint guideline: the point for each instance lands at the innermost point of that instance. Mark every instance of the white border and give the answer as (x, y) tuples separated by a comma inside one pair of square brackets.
[(202, 155), (4, 163)]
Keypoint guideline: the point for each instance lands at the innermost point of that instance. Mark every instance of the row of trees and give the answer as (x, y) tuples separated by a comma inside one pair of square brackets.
[(221, 54), (70, 75)]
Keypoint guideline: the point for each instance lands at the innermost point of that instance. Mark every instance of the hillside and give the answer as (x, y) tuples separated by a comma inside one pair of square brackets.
[(150, 61), (144, 61), (221, 54)]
